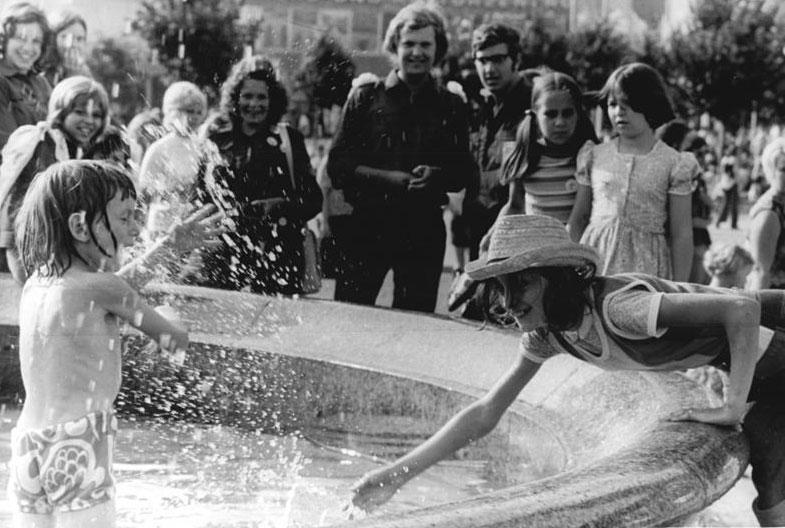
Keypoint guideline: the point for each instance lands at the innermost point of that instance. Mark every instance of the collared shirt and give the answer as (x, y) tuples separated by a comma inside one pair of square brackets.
[(385, 125), (23, 99), (493, 138)]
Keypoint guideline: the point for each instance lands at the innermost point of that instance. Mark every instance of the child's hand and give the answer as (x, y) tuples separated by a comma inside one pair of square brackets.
[(725, 415), (375, 488), (201, 229)]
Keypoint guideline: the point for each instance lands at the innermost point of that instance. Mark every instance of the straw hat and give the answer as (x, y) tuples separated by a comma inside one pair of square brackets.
[(529, 241)]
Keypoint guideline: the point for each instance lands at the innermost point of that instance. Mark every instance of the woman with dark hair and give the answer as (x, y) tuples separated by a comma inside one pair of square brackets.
[(24, 35), (263, 180), (66, 54)]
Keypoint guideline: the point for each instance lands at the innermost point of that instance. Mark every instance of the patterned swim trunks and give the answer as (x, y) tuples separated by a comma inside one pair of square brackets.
[(64, 467)]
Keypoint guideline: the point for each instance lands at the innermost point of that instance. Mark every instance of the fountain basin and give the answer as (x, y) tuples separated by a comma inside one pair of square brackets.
[(597, 440)]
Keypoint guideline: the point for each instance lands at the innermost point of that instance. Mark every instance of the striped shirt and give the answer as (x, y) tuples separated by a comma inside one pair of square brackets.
[(550, 190)]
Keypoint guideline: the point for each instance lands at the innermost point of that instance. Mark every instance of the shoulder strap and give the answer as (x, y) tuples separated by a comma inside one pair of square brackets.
[(286, 146)]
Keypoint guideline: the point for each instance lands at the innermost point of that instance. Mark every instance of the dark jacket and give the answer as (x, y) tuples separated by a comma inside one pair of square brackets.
[(386, 126), (23, 100), (264, 252), (493, 137)]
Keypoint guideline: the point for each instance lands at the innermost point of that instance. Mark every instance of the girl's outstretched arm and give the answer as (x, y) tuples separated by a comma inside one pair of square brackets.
[(472, 423), (581, 212), (680, 216), (764, 232), (740, 315)]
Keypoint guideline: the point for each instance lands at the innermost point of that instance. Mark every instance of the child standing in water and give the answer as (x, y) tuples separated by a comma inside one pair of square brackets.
[(634, 192), (73, 222), (622, 322)]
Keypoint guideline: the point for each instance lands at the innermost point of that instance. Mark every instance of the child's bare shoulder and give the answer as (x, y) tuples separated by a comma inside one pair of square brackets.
[(107, 289)]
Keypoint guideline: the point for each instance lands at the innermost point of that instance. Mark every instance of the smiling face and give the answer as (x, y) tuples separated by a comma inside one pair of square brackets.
[(627, 122), (495, 68), (557, 116), (416, 52), (523, 294), (85, 120), (253, 104), (23, 48)]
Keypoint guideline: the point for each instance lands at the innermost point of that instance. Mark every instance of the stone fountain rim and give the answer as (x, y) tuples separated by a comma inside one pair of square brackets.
[(529, 504)]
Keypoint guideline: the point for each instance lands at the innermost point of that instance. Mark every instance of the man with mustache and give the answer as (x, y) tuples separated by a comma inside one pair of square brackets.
[(401, 146)]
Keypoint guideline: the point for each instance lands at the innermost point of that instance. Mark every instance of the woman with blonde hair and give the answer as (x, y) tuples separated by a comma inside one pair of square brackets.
[(78, 114)]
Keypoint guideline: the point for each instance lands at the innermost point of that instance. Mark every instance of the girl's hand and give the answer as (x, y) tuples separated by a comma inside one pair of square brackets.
[(375, 488), (725, 415)]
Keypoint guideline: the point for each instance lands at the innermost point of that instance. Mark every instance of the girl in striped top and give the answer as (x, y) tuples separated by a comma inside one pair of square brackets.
[(541, 168)]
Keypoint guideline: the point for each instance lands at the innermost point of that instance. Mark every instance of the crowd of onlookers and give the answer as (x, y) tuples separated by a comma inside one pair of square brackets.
[(484, 142)]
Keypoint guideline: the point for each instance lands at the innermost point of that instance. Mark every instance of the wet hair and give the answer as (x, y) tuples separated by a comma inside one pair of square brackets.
[(726, 260), (417, 15), (489, 35), (13, 14), (525, 157), (643, 89), (70, 92), (180, 95), (565, 299), (256, 68), (43, 236)]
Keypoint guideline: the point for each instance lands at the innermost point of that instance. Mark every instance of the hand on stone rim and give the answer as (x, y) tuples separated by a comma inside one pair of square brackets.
[(724, 415)]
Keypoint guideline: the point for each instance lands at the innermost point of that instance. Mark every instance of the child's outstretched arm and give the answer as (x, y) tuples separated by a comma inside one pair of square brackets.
[(116, 296), (200, 229), (472, 423), (740, 315)]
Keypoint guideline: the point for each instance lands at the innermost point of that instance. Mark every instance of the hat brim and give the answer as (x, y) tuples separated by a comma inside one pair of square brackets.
[(568, 254)]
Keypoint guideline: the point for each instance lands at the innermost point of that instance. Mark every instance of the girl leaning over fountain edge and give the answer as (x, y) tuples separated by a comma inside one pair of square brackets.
[(622, 322)]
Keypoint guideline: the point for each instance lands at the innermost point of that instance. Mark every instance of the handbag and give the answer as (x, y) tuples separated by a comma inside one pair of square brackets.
[(311, 273)]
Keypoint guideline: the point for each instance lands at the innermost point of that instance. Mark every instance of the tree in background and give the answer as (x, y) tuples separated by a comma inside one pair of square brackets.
[(114, 66), (543, 47), (594, 52), (196, 40), (730, 59), (325, 78)]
